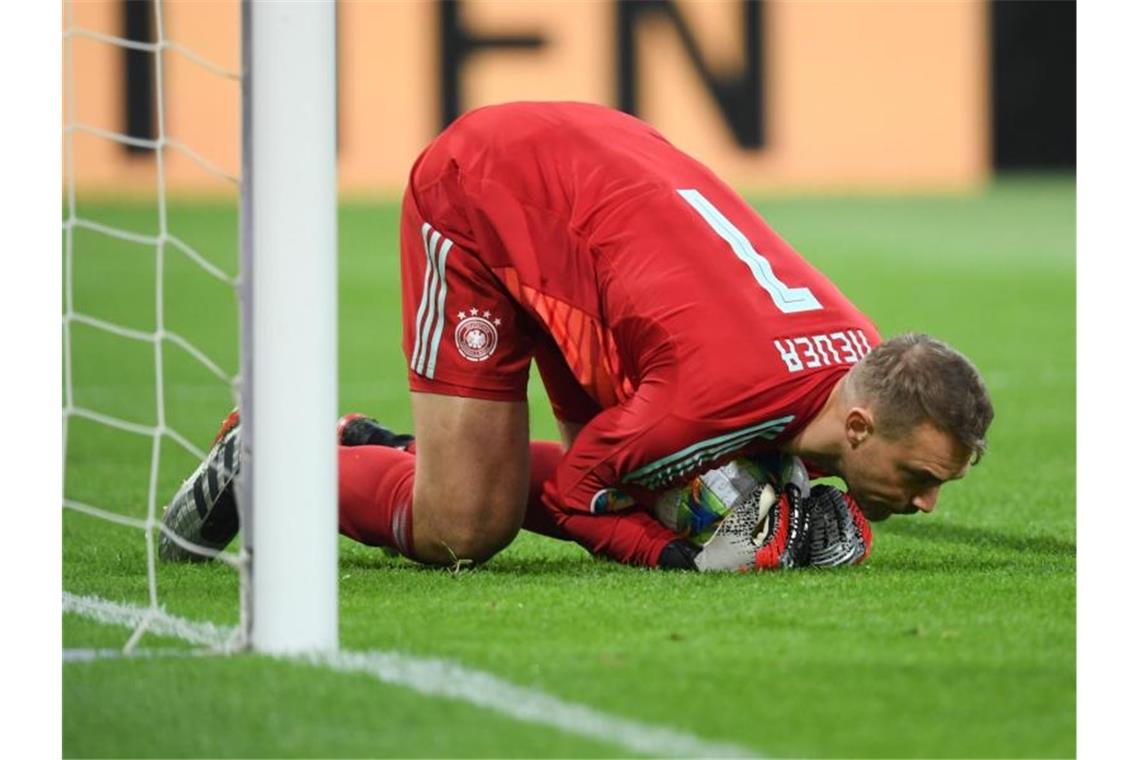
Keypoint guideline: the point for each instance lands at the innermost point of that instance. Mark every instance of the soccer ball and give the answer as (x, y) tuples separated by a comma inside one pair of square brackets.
[(695, 509)]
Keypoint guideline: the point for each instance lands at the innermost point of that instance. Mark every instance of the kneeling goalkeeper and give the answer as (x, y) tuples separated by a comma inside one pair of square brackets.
[(673, 329)]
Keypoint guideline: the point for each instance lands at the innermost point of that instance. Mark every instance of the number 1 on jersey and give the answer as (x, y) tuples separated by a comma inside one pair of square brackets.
[(788, 300)]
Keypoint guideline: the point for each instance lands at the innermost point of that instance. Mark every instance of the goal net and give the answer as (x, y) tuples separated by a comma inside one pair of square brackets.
[(163, 310)]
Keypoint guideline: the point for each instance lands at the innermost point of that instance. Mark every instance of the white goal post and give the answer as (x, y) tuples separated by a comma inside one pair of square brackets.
[(286, 387), (289, 322)]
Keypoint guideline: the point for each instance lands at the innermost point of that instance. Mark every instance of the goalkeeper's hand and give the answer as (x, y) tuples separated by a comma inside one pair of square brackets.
[(767, 531), (839, 534), (836, 533), (770, 531)]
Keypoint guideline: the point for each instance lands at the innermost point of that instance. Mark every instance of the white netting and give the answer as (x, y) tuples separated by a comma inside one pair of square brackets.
[(162, 243)]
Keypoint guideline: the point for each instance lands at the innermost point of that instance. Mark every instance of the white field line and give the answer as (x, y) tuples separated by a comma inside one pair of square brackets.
[(93, 655), (159, 623), (432, 677)]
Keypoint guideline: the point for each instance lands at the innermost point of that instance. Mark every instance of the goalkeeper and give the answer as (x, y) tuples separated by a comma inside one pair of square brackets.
[(673, 329), (750, 513)]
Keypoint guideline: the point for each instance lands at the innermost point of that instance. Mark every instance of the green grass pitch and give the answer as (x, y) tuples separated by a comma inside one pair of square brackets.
[(956, 639)]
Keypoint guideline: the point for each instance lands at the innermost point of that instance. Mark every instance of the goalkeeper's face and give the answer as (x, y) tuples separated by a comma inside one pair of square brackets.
[(900, 475)]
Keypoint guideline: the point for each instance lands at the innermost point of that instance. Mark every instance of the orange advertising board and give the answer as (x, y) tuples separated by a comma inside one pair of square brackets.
[(804, 95)]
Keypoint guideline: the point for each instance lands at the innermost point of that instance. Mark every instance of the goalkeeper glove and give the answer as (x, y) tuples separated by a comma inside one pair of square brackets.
[(839, 533), (767, 531)]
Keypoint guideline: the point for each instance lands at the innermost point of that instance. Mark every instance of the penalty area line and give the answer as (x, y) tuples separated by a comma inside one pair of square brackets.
[(435, 678)]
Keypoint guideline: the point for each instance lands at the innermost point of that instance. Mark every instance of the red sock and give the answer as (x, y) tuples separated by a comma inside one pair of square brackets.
[(376, 507), (376, 490), (544, 458), (376, 496)]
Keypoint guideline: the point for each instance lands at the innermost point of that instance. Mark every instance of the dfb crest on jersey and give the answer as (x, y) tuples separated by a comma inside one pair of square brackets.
[(476, 335)]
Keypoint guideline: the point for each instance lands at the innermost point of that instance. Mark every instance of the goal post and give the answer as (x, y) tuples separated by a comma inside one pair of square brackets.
[(289, 323)]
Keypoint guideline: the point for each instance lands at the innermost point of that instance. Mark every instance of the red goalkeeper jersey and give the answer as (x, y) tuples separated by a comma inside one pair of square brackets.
[(659, 306)]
